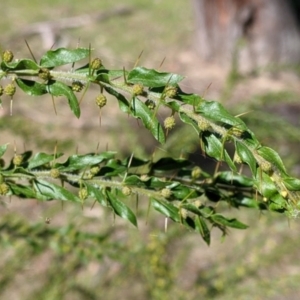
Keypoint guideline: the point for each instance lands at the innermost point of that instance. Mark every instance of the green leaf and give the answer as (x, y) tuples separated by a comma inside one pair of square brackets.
[(123, 103), (214, 148), (292, 184), (265, 185), (236, 180), (246, 156), (234, 223), (192, 99), (41, 159), (3, 149), (278, 203), (141, 111), (216, 112), (24, 64), (202, 228), (121, 209), (58, 88), (186, 119), (53, 191), (97, 194), (62, 56), (152, 78), (273, 157), (31, 87), (22, 191), (79, 162), (166, 209)]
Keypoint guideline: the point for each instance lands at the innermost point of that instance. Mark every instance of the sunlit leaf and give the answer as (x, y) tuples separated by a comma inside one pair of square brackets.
[(31, 87), (3, 149), (166, 209), (41, 159), (219, 219), (142, 112), (152, 78), (79, 162), (53, 191), (63, 56), (273, 157), (202, 228), (121, 209), (246, 155)]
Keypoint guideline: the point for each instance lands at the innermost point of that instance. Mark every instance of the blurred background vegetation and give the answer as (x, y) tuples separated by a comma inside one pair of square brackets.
[(59, 251)]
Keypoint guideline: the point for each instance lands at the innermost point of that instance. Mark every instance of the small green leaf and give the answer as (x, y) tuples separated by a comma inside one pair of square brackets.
[(292, 184), (53, 191), (216, 112), (41, 159), (121, 209), (186, 119), (96, 194), (233, 179), (273, 157), (3, 149), (191, 99), (58, 88), (166, 209), (24, 64), (79, 162), (31, 87), (214, 148), (141, 111), (246, 155), (234, 223), (62, 56), (202, 228), (22, 191), (152, 78), (123, 103), (265, 185)]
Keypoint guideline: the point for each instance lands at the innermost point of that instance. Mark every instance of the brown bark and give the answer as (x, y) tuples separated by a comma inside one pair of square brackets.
[(260, 32)]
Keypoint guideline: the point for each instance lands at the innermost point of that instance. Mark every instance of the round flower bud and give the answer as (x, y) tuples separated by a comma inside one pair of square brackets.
[(126, 191), (169, 122), (95, 170), (4, 188), (203, 124), (170, 91), (77, 86), (266, 166), (96, 64), (83, 194), (44, 74), (144, 177), (7, 56), (196, 172), (55, 173), (17, 160), (166, 193), (237, 159), (10, 89), (137, 89), (197, 203), (150, 104), (236, 132), (183, 213), (101, 100)]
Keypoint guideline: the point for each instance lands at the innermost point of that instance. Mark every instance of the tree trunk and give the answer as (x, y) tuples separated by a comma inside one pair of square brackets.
[(257, 33)]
